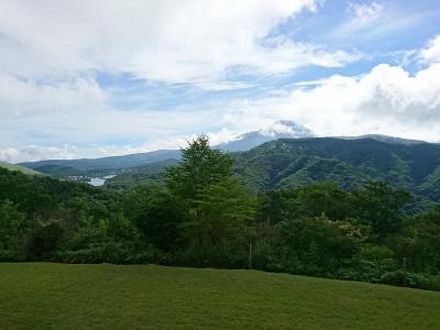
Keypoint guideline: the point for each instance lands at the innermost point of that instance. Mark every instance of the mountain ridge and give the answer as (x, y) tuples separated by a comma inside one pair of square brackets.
[(244, 142), (293, 163)]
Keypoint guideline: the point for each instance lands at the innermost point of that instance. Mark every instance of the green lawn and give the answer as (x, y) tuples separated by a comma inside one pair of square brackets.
[(56, 296)]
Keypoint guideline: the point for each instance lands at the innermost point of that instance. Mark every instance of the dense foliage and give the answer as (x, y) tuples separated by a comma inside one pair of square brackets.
[(294, 163), (201, 214)]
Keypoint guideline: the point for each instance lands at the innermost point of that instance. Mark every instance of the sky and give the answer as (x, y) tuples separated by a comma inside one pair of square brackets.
[(91, 78)]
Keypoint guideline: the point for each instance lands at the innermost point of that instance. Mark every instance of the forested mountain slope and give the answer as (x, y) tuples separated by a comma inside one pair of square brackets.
[(287, 163), (292, 163), (22, 169)]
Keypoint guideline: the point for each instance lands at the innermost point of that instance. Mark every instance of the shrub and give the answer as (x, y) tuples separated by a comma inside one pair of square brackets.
[(402, 278)]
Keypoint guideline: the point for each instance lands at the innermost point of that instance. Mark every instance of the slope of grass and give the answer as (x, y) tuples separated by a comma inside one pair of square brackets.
[(55, 296), (19, 168)]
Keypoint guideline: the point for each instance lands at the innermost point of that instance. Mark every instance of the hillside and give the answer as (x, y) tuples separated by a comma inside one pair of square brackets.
[(75, 166), (39, 193), (291, 163), (19, 168), (42, 296), (149, 173)]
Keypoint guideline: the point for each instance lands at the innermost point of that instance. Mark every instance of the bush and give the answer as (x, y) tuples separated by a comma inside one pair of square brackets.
[(44, 239), (402, 278), (435, 283), (11, 256), (111, 252), (374, 261)]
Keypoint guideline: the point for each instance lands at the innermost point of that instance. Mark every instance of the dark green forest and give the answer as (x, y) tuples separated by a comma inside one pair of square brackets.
[(200, 213), (295, 163)]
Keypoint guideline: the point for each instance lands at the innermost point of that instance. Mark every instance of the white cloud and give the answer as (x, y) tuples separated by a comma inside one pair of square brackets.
[(50, 52), (431, 53), (386, 100), (173, 142), (33, 152), (28, 97), (172, 41)]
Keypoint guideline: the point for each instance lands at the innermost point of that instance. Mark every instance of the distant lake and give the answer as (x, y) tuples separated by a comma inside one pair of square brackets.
[(99, 181)]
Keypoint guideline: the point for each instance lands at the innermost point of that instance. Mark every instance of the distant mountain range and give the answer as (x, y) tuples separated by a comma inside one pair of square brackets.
[(290, 163), (72, 167), (285, 156)]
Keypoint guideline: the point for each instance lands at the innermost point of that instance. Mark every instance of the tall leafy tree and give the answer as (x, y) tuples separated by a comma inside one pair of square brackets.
[(200, 167), (218, 207)]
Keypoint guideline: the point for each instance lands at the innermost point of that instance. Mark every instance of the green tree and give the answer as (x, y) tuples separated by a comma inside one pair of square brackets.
[(157, 214), (417, 244), (200, 167), (380, 206), (12, 227), (217, 207), (316, 245), (44, 239)]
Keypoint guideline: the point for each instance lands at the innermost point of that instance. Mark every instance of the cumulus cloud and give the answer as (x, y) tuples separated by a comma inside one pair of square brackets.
[(52, 55), (386, 100), (172, 142), (33, 152), (29, 97), (431, 53), (173, 41)]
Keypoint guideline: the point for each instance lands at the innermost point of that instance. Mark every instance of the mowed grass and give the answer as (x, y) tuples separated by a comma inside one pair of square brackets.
[(57, 296)]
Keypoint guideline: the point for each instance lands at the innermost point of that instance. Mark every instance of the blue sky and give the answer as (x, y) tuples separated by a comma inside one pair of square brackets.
[(93, 78)]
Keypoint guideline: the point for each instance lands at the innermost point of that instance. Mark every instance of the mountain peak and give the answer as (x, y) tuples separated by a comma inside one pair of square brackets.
[(287, 129), (282, 129)]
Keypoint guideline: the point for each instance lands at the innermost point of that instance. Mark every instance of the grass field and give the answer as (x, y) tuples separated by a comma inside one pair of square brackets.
[(56, 296)]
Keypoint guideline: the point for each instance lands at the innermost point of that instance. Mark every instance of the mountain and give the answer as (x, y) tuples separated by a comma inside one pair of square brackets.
[(76, 167), (282, 129), (67, 167), (289, 163), (286, 162), (383, 138), (19, 168)]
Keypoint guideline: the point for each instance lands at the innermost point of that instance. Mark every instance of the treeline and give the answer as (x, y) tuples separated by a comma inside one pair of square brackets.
[(202, 215)]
